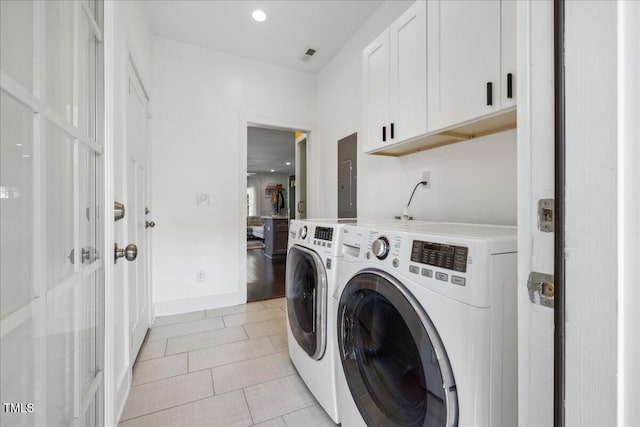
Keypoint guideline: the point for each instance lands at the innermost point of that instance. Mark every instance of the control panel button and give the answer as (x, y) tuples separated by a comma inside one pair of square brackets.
[(427, 272), (414, 269), (395, 262), (457, 280), (442, 276)]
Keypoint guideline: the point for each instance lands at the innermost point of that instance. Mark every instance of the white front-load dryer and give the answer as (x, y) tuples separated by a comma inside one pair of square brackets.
[(426, 325), (310, 281)]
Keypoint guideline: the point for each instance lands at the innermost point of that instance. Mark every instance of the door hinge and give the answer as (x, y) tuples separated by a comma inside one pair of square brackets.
[(546, 215), (541, 289)]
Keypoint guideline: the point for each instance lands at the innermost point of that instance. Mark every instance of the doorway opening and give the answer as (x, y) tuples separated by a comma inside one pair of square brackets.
[(276, 193)]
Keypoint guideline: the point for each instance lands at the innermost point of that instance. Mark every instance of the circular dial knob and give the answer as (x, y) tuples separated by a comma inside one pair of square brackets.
[(303, 232), (380, 247)]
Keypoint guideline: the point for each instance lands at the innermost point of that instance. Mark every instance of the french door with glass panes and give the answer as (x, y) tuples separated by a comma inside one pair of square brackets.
[(52, 270)]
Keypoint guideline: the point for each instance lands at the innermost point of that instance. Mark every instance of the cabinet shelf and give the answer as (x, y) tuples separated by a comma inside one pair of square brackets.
[(487, 125)]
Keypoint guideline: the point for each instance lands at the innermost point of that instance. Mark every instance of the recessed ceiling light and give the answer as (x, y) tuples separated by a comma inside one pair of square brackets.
[(272, 170), (288, 163), (259, 15)]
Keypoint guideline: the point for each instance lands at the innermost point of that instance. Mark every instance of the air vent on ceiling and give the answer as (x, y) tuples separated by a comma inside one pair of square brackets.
[(308, 54)]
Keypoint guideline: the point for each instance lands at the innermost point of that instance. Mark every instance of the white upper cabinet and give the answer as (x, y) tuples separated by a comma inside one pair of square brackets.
[(395, 81), (375, 63), (471, 51)]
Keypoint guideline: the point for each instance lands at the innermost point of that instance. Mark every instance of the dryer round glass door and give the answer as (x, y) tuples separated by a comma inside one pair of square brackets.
[(393, 359), (305, 290)]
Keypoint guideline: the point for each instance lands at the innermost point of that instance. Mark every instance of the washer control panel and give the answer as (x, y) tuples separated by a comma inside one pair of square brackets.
[(323, 233), (440, 255)]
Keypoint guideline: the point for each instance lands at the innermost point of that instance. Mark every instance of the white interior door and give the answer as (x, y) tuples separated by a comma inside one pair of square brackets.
[(139, 294), (52, 297)]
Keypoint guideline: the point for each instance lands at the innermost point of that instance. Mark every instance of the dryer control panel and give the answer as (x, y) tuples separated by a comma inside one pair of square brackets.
[(440, 255)]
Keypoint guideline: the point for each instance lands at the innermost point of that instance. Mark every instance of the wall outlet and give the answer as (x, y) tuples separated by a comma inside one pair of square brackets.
[(426, 176), (200, 276)]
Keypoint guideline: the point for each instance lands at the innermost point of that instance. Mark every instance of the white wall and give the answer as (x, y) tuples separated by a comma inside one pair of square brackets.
[(473, 181), (198, 98), (259, 182)]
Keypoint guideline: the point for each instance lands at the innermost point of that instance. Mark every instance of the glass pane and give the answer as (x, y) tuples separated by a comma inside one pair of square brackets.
[(16, 205), (60, 359), (92, 6), (87, 80), (86, 312), (17, 376), (59, 204), (16, 41), (87, 204), (301, 288), (59, 54), (388, 356)]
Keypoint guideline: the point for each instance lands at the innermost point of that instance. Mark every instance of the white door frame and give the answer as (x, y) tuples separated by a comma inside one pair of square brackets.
[(109, 137), (535, 165), (246, 120), (299, 174)]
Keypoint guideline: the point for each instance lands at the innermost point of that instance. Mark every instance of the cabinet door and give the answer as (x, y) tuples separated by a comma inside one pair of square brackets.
[(408, 74), (375, 73), (463, 53), (508, 54)]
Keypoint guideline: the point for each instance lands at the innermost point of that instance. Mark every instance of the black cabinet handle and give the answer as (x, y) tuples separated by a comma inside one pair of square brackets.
[(489, 93), (509, 85), (391, 130), (384, 133)]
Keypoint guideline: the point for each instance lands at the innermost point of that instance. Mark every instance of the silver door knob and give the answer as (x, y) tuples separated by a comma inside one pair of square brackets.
[(130, 253), (87, 255), (148, 224)]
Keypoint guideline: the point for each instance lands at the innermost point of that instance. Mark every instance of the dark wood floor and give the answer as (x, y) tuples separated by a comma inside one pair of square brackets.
[(265, 276)]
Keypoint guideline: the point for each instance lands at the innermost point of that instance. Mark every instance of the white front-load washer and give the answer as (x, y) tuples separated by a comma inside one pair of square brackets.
[(310, 281), (426, 325)]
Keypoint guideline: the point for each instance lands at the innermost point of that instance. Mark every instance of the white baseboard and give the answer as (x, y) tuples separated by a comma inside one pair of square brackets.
[(187, 305)]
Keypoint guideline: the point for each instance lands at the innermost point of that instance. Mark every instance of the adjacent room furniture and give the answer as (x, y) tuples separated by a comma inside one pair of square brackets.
[(276, 233)]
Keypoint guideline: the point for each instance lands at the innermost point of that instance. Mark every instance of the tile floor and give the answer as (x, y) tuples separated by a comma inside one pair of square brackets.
[(223, 367)]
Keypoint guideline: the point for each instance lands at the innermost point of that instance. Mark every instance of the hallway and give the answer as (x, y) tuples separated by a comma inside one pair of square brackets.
[(221, 367)]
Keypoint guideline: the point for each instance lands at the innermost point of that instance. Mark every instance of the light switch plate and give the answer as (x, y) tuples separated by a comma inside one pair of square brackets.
[(202, 199)]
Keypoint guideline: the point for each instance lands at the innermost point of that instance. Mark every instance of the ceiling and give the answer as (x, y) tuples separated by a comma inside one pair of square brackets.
[(269, 149), (292, 27)]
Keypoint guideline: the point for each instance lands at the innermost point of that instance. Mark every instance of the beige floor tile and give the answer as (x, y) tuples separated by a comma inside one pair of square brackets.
[(253, 317), (178, 318), (276, 422), (152, 350), (267, 327), (250, 372), (275, 303), (313, 416), (278, 397), (184, 328), (205, 339), (158, 395), (242, 308), (229, 353), (226, 410), (280, 342), (157, 369)]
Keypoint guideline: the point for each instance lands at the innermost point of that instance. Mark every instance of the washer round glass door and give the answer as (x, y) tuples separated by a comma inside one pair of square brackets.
[(305, 290), (393, 359)]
